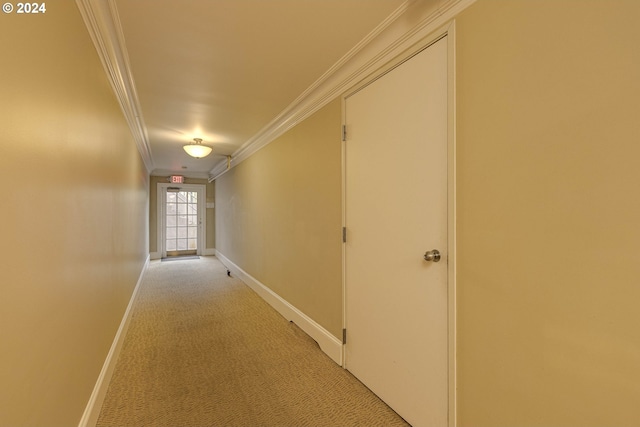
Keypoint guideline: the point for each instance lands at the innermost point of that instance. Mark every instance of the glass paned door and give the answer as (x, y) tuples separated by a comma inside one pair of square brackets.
[(181, 232)]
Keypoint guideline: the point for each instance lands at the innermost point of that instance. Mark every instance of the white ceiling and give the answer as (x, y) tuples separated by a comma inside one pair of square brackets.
[(222, 70)]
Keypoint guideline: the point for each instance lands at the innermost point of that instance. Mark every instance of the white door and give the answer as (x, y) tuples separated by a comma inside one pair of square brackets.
[(181, 214), (182, 222), (395, 211)]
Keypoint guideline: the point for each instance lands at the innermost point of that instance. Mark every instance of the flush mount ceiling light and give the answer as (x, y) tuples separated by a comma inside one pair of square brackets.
[(197, 150)]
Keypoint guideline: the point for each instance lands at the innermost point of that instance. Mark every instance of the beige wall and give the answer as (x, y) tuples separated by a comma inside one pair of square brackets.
[(548, 237), (73, 221), (548, 213), (279, 217), (153, 210)]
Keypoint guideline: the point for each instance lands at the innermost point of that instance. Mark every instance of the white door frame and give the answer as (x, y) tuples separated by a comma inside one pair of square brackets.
[(449, 31), (162, 220)]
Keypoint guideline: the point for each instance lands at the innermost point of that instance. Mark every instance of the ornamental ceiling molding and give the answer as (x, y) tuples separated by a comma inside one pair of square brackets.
[(388, 40), (102, 20)]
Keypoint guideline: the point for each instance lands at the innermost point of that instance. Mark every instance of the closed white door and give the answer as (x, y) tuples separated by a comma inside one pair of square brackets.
[(182, 222), (396, 211), (181, 219)]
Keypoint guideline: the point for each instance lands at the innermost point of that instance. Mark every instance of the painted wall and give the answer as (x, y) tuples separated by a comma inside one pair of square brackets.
[(153, 212), (548, 240), (279, 217), (548, 210), (73, 222)]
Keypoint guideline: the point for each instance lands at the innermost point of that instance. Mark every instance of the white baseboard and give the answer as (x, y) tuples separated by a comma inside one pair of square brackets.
[(329, 344), (155, 255), (92, 410)]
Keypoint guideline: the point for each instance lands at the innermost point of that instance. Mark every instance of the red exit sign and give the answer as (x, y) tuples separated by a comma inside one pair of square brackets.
[(177, 179)]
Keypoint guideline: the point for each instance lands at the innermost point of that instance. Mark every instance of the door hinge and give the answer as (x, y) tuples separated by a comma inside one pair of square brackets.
[(344, 132), (344, 234), (344, 336)]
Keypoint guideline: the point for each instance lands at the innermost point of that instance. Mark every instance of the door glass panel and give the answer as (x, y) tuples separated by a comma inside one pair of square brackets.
[(181, 222), (171, 233)]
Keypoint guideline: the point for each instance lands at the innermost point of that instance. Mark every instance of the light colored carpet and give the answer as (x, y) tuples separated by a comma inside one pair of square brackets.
[(204, 350)]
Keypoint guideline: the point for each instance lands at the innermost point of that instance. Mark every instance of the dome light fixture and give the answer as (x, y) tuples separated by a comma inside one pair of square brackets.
[(197, 150)]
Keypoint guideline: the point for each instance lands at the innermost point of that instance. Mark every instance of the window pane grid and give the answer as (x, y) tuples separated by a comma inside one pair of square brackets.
[(181, 230)]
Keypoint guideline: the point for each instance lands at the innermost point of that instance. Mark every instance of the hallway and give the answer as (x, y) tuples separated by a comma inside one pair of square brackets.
[(203, 349), (544, 124)]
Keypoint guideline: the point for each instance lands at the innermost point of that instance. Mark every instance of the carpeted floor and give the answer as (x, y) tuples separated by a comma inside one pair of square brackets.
[(204, 350)]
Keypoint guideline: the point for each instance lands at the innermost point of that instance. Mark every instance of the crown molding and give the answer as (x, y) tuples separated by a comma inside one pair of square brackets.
[(388, 40), (103, 23)]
